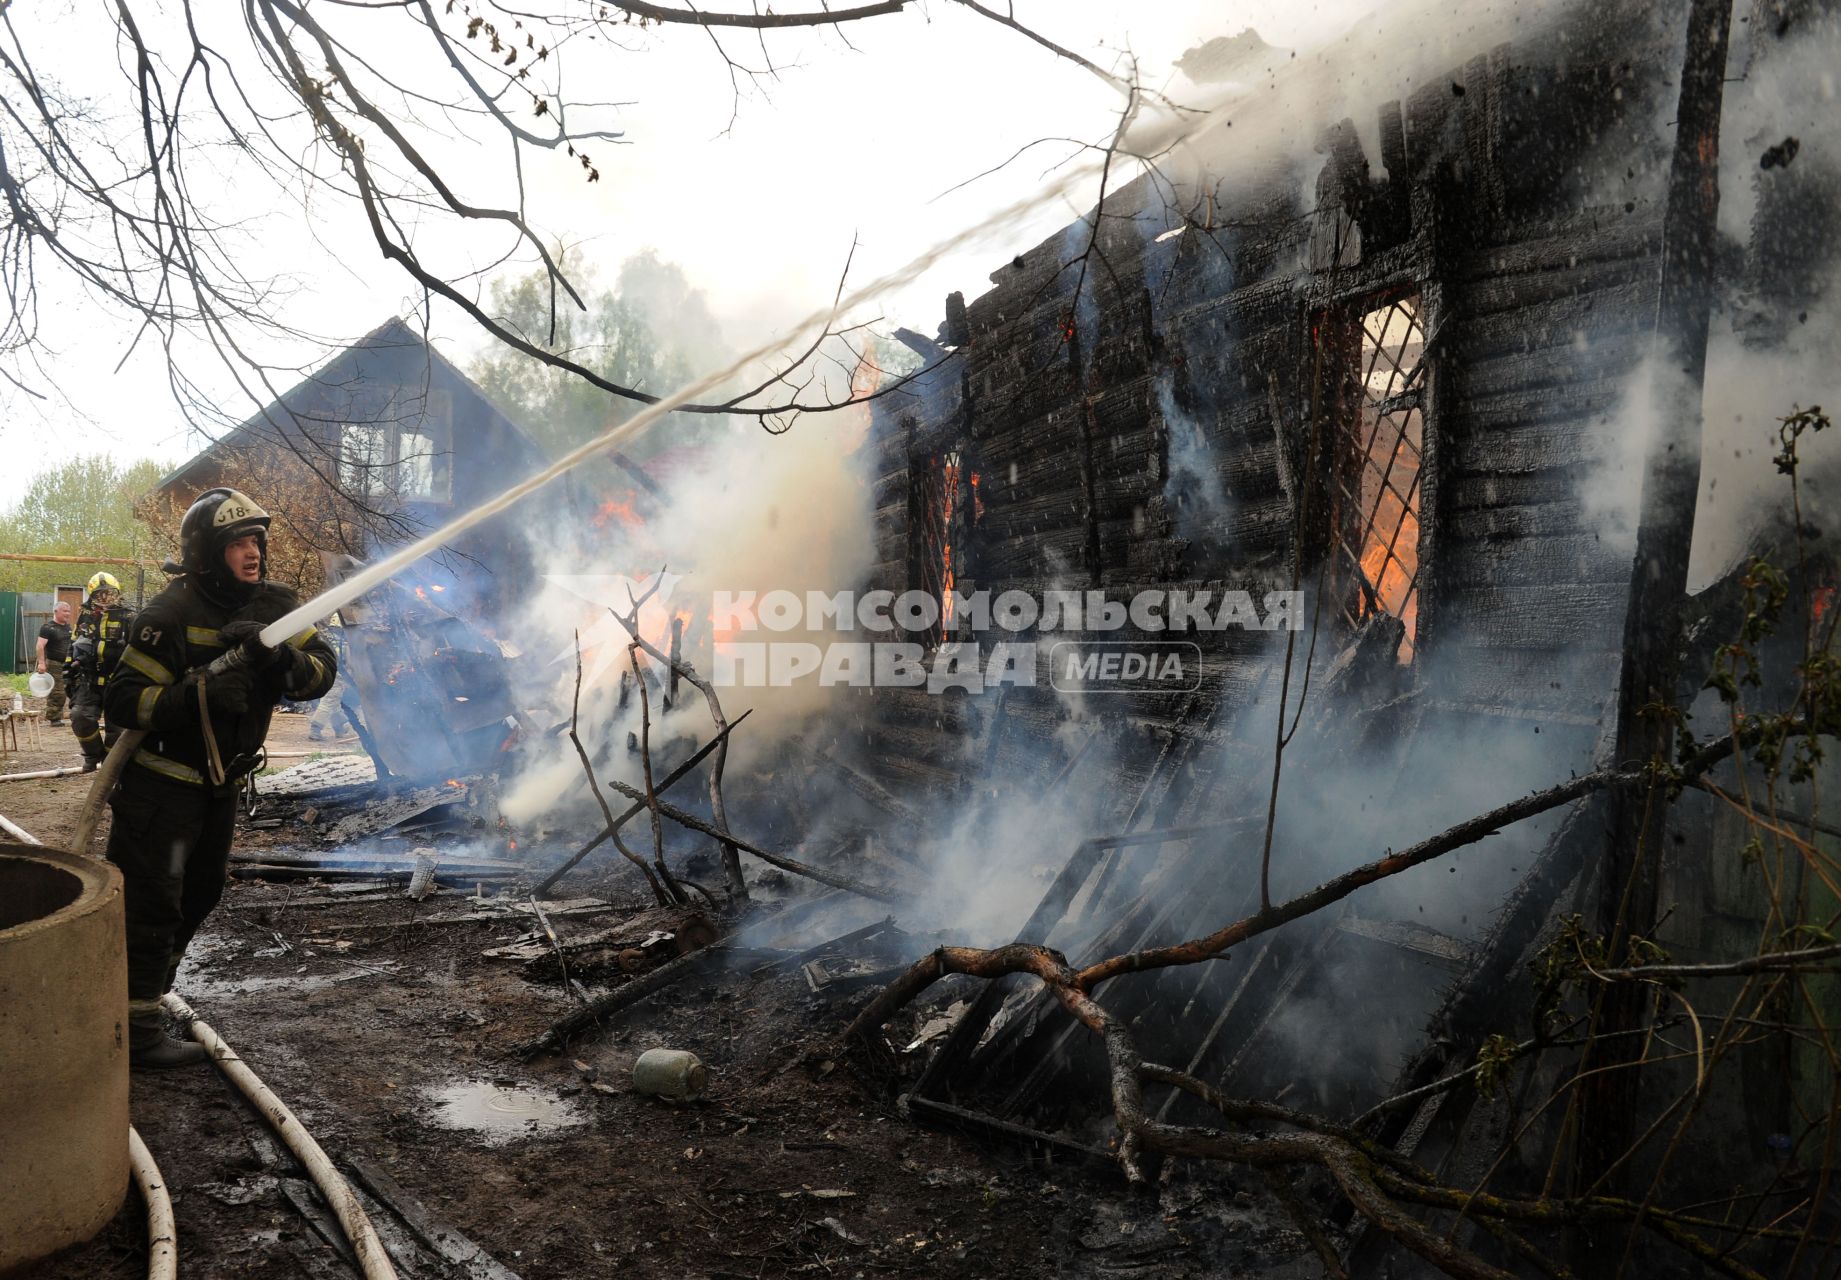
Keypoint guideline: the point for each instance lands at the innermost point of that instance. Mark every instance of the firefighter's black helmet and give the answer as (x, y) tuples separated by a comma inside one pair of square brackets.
[(218, 518)]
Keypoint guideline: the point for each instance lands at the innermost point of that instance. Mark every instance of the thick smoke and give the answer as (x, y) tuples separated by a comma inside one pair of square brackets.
[(755, 512), (742, 511), (1774, 344), (1268, 109)]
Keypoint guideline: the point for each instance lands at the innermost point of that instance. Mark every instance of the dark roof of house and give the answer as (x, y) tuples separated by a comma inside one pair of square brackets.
[(394, 332)]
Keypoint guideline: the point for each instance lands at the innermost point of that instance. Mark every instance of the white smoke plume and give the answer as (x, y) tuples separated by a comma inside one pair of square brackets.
[(744, 511)]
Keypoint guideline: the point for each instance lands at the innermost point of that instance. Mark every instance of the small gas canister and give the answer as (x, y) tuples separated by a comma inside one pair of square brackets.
[(671, 1073)]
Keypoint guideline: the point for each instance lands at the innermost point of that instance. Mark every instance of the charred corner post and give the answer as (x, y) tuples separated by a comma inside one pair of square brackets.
[(1630, 874)]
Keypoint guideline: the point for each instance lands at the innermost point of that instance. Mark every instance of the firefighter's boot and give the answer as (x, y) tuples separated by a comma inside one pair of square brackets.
[(151, 1048)]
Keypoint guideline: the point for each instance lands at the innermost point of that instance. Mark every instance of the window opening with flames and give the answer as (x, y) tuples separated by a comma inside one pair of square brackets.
[(1379, 453), (950, 502)]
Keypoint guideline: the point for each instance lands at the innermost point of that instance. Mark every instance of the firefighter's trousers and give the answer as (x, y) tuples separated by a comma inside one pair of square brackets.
[(86, 723), (172, 843)]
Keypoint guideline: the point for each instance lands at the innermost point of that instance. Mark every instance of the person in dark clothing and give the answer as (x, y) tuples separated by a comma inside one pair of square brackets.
[(53, 649), (175, 809), (101, 635)]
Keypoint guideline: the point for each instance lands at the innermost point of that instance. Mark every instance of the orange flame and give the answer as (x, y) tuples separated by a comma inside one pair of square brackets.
[(949, 497), (1390, 549), (618, 511)]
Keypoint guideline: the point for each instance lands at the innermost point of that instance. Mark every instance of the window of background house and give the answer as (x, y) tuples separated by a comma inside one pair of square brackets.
[(411, 460), (1378, 450), (364, 458)]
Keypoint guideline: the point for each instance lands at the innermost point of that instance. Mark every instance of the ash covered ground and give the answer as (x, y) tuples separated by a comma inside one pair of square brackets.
[(382, 1022)]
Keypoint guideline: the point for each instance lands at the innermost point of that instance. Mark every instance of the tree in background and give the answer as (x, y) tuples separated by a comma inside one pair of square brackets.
[(93, 506), (653, 331), (84, 507)]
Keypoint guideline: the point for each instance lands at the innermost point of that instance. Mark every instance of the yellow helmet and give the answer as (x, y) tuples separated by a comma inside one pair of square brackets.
[(104, 581)]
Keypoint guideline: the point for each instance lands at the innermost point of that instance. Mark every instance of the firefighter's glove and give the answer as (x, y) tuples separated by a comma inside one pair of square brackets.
[(246, 634), (284, 667), (226, 692)]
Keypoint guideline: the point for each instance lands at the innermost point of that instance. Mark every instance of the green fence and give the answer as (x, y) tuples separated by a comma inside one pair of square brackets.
[(9, 628)]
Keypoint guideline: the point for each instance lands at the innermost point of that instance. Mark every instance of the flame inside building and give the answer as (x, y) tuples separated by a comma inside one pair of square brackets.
[(1377, 534)]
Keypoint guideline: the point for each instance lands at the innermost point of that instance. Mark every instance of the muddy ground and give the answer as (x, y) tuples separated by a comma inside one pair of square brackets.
[(390, 1034)]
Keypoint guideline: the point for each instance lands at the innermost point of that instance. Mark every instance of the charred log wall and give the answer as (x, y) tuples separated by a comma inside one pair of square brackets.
[(1137, 403)]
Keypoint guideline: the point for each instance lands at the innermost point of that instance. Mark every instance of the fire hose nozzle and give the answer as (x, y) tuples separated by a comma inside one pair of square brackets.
[(251, 655)]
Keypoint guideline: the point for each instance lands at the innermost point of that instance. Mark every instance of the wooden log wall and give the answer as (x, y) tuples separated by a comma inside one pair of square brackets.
[(1104, 373)]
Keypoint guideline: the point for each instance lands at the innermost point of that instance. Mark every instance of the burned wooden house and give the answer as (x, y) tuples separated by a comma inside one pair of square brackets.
[(1397, 376)]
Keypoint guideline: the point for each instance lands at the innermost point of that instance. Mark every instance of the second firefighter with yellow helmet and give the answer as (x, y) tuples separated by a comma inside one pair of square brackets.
[(96, 645)]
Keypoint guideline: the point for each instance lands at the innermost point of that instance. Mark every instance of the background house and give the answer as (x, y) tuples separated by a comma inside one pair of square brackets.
[(378, 445)]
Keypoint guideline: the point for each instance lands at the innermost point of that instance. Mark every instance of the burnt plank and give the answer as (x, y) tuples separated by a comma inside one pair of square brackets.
[(1549, 559), (1525, 616)]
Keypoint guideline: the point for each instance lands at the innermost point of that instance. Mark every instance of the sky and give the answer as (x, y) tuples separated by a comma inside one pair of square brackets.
[(759, 199)]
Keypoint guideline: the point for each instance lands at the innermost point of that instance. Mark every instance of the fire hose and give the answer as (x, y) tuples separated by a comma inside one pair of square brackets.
[(64, 772), (162, 1234), (372, 1260)]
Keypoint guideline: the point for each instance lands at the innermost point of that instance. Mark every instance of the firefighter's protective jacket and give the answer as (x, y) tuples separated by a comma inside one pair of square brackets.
[(178, 631), (96, 647)]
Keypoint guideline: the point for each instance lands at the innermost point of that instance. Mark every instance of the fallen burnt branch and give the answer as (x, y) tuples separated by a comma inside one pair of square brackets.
[(659, 893), (1379, 1183), (836, 879), (620, 997), (1345, 1161), (590, 1014), (1391, 864), (633, 811), (1019, 957)]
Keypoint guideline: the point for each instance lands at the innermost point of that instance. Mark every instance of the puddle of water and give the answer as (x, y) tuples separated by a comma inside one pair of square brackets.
[(502, 1114)]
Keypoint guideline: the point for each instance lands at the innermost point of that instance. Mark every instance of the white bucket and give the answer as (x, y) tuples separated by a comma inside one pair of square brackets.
[(40, 684)]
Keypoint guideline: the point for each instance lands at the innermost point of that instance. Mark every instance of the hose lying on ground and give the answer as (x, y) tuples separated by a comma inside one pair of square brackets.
[(372, 1260), (162, 1235), (64, 772), (91, 812), (17, 832)]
